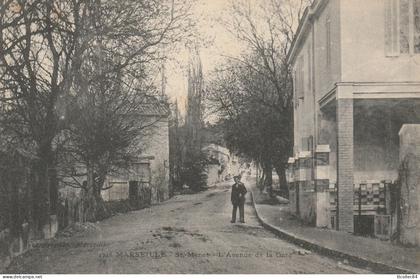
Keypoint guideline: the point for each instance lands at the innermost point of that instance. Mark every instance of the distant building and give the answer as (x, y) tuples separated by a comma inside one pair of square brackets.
[(218, 163), (152, 167), (149, 175), (356, 67), (222, 164)]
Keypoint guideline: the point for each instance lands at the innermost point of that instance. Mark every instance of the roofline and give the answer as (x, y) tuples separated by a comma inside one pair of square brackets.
[(304, 24), (162, 115)]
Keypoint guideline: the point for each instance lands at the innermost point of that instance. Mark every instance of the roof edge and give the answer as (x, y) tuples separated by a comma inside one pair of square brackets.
[(304, 23)]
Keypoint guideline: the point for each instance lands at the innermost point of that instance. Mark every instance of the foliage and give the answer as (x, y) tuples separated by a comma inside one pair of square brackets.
[(68, 69), (252, 93), (107, 121), (252, 128), (189, 161), (38, 43), (189, 164), (193, 172)]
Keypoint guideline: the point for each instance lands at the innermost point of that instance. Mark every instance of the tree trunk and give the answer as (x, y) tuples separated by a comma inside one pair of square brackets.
[(14, 206), (284, 188), (260, 179), (53, 189), (49, 173), (268, 174), (40, 197), (94, 208)]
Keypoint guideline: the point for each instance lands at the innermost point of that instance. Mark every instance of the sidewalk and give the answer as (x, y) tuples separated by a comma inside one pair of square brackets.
[(380, 256)]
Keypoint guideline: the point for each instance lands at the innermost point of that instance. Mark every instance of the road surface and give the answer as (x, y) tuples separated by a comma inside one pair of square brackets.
[(187, 234)]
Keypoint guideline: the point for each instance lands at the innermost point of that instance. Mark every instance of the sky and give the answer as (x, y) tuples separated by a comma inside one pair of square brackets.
[(218, 42)]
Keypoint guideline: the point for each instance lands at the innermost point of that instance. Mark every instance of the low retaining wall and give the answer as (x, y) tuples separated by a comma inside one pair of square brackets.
[(69, 211), (15, 244)]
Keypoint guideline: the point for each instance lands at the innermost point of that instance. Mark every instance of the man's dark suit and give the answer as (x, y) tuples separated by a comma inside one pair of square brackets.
[(237, 198)]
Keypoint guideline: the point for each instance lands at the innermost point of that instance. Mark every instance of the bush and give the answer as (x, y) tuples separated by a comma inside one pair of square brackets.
[(123, 206), (193, 172)]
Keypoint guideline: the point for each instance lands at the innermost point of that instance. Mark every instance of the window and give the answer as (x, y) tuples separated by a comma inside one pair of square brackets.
[(141, 172), (328, 40), (300, 79), (295, 88), (402, 33), (309, 70), (416, 27), (392, 28), (404, 26)]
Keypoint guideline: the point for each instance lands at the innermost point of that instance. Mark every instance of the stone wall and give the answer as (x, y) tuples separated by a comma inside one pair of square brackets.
[(157, 146), (292, 198), (213, 176), (410, 184), (13, 244), (306, 196), (307, 203), (290, 178)]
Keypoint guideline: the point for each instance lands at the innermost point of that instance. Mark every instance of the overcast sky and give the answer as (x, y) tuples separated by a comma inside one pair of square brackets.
[(218, 42)]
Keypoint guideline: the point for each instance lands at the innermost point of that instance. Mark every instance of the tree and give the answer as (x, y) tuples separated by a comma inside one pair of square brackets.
[(39, 41), (176, 148), (252, 128), (107, 124), (49, 53), (253, 92), (189, 161), (105, 136)]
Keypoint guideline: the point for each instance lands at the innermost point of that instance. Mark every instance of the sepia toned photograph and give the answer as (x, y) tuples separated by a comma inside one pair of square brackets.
[(207, 137)]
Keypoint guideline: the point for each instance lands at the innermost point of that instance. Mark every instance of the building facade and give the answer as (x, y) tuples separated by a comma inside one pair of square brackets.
[(356, 67), (151, 170), (146, 181), (222, 164)]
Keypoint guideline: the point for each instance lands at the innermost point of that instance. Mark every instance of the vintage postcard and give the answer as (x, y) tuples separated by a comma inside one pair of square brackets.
[(269, 137)]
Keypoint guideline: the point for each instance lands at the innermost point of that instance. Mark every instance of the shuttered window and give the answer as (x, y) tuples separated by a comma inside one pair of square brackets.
[(295, 89), (402, 27), (392, 38), (300, 79), (309, 68), (416, 19), (328, 40)]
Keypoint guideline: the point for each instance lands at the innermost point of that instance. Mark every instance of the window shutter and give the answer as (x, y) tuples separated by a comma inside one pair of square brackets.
[(328, 40), (309, 70), (295, 88), (301, 85), (392, 38), (416, 19)]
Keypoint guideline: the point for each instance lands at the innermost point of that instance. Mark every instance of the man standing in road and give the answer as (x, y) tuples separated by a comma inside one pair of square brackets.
[(237, 198)]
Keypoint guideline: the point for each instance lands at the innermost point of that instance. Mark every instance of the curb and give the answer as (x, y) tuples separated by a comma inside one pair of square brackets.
[(376, 267)]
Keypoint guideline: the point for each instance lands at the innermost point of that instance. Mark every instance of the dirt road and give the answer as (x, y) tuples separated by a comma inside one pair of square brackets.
[(187, 234)]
